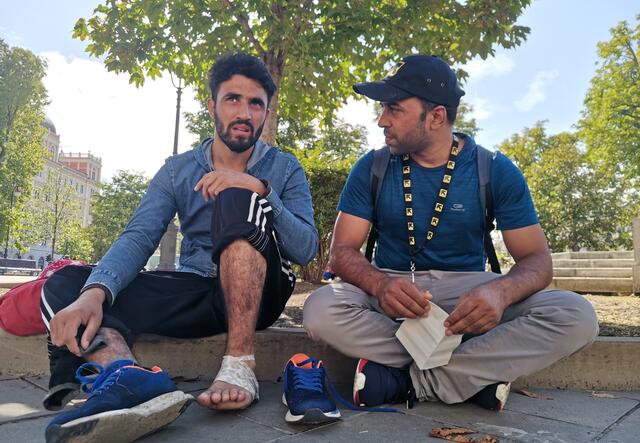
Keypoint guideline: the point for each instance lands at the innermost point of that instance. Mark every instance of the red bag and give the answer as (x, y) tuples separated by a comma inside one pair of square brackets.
[(20, 307)]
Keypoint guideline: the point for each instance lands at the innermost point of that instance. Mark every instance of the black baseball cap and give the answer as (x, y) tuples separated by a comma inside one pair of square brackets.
[(424, 76)]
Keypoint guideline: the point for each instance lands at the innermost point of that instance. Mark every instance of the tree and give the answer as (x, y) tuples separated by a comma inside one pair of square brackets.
[(112, 207), (21, 73), (56, 208), (574, 198), (327, 159), (465, 123), (315, 50), (610, 124), (22, 97), (75, 242)]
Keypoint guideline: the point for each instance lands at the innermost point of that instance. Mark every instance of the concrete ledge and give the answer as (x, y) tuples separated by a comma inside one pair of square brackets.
[(11, 281), (610, 363), (588, 284), (593, 255), (589, 263), (593, 272)]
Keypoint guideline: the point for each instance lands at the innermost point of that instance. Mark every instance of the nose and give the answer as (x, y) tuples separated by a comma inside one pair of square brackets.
[(383, 121), (244, 111)]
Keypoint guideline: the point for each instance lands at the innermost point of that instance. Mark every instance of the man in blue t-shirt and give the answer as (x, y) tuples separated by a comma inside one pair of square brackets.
[(430, 248)]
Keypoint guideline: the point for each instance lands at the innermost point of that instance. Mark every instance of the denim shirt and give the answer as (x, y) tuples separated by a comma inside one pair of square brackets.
[(171, 191)]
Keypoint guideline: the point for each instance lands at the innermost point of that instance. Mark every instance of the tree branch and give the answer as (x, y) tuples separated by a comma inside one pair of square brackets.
[(631, 51), (244, 22)]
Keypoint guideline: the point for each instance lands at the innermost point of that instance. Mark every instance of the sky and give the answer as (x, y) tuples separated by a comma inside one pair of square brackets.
[(131, 128)]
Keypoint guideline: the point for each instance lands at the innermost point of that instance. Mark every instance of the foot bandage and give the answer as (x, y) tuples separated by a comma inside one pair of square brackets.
[(235, 371)]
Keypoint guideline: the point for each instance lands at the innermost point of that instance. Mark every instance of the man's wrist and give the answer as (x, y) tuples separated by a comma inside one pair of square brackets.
[(104, 292), (501, 287), (378, 285), (267, 187)]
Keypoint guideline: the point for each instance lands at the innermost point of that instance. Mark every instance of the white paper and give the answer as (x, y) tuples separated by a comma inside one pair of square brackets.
[(426, 341)]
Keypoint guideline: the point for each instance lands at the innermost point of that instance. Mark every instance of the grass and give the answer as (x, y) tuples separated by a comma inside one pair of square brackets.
[(618, 316)]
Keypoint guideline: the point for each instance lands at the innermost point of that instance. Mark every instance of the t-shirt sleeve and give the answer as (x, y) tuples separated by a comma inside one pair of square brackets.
[(513, 205), (356, 195)]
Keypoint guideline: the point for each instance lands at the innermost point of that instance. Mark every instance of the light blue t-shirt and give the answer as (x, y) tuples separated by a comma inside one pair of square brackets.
[(458, 241)]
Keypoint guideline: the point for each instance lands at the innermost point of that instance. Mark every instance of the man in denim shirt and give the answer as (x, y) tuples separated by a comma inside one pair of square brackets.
[(245, 211)]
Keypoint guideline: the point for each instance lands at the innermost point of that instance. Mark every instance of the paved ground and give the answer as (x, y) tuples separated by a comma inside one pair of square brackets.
[(568, 416)]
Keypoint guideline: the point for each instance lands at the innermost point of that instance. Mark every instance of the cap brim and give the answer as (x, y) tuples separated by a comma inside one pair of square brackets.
[(381, 91)]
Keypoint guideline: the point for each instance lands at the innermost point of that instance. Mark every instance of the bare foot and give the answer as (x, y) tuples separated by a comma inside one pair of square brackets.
[(225, 396)]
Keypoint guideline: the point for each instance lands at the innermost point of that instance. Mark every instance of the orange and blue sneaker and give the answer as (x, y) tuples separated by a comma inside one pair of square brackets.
[(125, 402), (305, 392)]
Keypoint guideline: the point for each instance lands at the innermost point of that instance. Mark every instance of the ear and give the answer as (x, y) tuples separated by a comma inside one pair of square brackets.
[(211, 107), (438, 117)]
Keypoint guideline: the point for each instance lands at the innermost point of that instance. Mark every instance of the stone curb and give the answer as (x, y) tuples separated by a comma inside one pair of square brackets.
[(610, 363)]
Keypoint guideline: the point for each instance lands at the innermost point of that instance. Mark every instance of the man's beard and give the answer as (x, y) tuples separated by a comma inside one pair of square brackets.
[(237, 145), (411, 143)]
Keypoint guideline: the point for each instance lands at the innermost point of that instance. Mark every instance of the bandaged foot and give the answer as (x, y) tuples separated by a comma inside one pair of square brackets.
[(235, 386)]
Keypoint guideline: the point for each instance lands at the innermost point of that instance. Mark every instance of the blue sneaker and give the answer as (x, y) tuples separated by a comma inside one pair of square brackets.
[(125, 403), (375, 384), (305, 393)]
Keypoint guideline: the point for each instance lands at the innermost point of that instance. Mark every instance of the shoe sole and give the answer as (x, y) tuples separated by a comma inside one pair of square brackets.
[(314, 416), (502, 393), (123, 425), (359, 380), (66, 392)]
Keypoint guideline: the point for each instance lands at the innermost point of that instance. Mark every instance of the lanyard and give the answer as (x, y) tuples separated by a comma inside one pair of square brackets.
[(437, 210)]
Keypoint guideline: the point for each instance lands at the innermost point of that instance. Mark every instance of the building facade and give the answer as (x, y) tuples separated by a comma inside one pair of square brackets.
[(80, 170)]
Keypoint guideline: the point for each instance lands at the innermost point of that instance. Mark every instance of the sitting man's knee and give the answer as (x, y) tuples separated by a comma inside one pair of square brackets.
[(316, 310), (581, 317), (233, 195)]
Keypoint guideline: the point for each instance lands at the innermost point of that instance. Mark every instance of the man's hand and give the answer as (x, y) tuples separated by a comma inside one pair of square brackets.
[(213, 183), (87, 311), (399, 297), (478, 311)]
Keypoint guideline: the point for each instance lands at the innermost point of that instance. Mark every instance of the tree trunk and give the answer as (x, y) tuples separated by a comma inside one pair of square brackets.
[(53, 242), (275, 65)]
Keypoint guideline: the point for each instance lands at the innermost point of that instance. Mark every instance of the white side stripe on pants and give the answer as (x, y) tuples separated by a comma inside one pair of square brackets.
[(253, 202), (47, 307)]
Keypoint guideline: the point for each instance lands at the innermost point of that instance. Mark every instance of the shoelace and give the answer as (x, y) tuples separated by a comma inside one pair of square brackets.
[(311, 378), (308, 378), (99, 381)]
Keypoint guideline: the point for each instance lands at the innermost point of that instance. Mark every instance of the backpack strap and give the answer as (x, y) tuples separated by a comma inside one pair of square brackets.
[(376, 177), (485, 159)]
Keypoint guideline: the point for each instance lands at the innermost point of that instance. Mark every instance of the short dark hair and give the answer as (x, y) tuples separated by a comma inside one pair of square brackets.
[(240, 63), (428, 106)]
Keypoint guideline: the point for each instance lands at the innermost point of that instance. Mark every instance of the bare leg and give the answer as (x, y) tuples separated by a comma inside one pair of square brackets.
[(116, 349), (242, 273)]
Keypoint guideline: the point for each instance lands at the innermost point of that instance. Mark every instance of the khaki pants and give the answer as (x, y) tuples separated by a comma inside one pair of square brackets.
[(533, 334)]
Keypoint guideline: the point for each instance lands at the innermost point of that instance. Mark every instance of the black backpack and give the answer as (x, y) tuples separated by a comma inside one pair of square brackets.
[(484, 159)]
